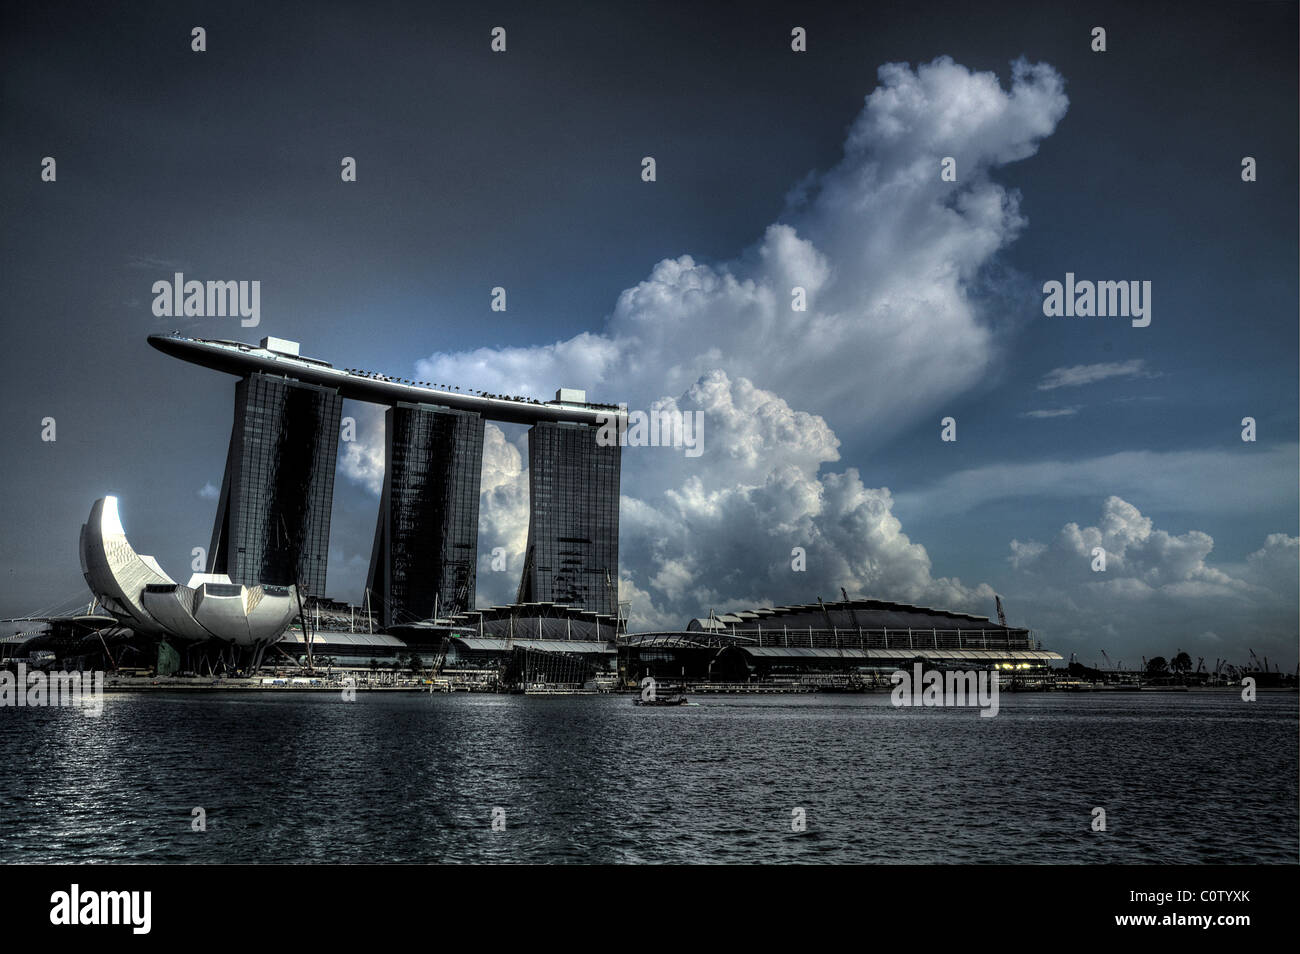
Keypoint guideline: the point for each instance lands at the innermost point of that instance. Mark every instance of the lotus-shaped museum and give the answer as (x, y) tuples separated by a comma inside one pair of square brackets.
[(134, 589)]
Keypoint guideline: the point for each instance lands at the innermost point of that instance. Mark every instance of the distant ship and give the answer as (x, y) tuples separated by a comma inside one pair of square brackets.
[(663, 699)]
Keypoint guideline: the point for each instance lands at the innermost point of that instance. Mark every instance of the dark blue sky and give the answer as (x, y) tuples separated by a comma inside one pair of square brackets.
[(521, 170)]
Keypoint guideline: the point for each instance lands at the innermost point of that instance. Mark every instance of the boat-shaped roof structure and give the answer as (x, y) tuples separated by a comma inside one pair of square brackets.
[(280, 356)]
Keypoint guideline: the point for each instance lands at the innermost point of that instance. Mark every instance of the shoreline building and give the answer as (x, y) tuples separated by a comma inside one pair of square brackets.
[(273, 517), (214, 623), (210, 609), (860, 637)]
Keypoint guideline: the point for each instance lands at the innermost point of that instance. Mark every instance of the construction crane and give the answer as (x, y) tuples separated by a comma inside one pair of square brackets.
[(826, 614), (1200, 664), (1002, 617), (1107, 658), (306, 629), (852, 614), (441, 658), (1254, 658), (621, 610), (100, 633)]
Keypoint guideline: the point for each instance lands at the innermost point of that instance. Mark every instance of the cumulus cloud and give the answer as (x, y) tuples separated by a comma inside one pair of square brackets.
[(1273, 565), (1080, 374), (723, 536), (503, 517), (1155, 583), (1045, 413), (362, 460), (890, 259), (885, 251)]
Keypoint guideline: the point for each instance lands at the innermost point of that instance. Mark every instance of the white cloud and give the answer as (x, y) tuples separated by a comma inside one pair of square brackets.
[(1051, 412), (1156, 586), (886, 252), (209, 491), (721, 534), (1081, 374), (503, 516), (362, 460), (890, 258)]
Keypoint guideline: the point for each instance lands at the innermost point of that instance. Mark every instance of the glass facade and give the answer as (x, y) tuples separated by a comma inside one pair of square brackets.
[(426, 539), (572, 552), (273, 518)]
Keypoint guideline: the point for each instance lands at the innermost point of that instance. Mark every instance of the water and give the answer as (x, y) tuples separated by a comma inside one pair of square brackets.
[(1195, 777)]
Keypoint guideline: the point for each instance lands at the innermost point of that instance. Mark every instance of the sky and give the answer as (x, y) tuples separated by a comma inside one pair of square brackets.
[(774, 169)]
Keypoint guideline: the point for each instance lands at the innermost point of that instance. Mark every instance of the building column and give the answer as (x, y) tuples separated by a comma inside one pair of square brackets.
[(572, 551), (273, 515)]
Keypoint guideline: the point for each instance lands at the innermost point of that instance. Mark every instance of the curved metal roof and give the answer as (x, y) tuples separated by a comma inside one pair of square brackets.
[(849, 615), (492, 644)]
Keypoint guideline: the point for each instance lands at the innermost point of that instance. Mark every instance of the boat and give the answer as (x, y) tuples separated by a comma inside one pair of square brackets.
[(664, 699)]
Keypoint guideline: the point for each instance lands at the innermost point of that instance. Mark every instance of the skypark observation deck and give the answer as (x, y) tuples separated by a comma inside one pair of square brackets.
[(281, 357), (273, 512)]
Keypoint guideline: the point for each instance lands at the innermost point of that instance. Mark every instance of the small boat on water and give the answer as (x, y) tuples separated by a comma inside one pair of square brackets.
[(663, 699)]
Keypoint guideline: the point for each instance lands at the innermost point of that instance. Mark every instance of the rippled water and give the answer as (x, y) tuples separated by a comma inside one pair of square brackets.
[(1196, 777)]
